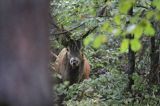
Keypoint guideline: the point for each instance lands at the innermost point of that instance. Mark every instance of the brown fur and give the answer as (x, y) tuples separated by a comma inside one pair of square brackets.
[(76, 75)]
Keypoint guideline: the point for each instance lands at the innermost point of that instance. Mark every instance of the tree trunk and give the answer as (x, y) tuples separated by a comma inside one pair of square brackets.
[(131, 57), (154, 76), (24, 53)]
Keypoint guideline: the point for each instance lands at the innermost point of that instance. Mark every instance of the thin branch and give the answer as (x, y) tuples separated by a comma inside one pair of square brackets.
[(53, 54), (68, 30), (140, 6), (88, 32)]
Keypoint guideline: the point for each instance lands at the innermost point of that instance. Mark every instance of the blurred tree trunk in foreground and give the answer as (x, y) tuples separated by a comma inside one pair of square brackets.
[(24, 52)]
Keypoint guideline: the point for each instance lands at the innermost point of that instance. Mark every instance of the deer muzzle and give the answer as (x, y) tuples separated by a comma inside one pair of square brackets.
[(74, 62)]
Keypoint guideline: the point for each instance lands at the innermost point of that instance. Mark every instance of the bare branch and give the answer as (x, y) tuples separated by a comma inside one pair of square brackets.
[(140, 6), (68, 30), (53, 54), (88, 32)]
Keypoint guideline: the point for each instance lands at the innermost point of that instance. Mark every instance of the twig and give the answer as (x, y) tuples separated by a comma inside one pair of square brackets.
[(142, 6), (53, 54), (88, 32), (68, 30)]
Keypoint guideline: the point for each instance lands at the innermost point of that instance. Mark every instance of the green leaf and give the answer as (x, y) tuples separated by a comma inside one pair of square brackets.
[(138, 31), (157, 16), (117, 19), (125, 5), (99, 40), (150, 14), (124, 45), (135, 45), (105, 26), (156, 3), (87, 40), (149, 30)]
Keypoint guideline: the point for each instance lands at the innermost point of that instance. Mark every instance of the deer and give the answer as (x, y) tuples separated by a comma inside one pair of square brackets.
[(71, 63)]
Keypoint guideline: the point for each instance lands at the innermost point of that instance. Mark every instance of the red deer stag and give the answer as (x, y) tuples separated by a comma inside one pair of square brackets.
[(71, 62)]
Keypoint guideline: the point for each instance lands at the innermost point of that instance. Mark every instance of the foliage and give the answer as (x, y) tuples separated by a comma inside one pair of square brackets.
[(104, 48), (107, 85), (73, 12), (109, 89), (105, 88)]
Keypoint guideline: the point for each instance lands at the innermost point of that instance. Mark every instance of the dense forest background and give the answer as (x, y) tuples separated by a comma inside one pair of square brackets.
[(124, 50)]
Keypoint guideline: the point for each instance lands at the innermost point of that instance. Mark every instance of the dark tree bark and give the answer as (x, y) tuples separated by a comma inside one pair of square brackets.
[(131, 61), (24, 52), (131, 66), (131, 57), (154, 76)]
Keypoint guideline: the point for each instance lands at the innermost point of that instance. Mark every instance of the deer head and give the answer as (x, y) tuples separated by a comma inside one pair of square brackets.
[(74, 53), (75, 48)]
